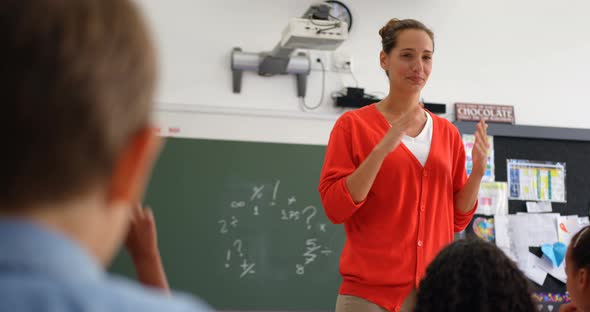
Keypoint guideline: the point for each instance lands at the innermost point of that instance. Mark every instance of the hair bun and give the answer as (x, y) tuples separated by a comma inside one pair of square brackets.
[(388, 27)]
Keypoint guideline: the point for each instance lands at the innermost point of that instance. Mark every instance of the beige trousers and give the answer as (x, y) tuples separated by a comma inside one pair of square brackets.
[(347, 303)]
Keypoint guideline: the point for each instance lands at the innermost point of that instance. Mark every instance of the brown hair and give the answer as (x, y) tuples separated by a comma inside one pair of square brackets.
[(390, 32), (76, 82), (580, 249)]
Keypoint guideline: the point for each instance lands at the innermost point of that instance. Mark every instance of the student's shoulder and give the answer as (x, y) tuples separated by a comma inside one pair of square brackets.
[(122, 292), (35, 293)]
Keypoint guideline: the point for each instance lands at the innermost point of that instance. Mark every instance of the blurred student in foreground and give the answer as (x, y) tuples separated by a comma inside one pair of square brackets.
[(76, 83)]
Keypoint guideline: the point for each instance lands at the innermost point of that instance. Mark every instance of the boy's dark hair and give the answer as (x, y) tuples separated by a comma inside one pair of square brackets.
[(580, 249), (473, 275), (76, 82)]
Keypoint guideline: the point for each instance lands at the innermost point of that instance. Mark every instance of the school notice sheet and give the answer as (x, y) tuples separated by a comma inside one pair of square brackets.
[(568, 226), (493, 198), (514, 234), (536, 180), (468, 142)]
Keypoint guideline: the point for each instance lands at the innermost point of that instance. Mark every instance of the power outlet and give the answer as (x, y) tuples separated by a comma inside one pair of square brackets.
[(341, 62), (324, 59)]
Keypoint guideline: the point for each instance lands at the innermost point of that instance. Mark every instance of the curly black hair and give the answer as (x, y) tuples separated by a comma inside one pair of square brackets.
[(473, 275)]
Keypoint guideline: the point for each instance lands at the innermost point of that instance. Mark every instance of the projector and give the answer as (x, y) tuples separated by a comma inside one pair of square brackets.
[(305, 33)]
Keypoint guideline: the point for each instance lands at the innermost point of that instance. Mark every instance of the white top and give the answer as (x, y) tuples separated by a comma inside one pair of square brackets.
[(420, 145)]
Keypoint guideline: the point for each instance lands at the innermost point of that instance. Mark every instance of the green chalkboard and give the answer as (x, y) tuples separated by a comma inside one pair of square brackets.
[(241, 225)]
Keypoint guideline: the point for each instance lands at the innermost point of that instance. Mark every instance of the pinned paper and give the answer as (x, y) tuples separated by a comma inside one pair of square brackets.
[(484, 228), (530, 229), (555, 253), (533, 272), (493, 198), (568, 226), (545, 265), (469, 142), (502, 235), (536, 180), (544, 206)]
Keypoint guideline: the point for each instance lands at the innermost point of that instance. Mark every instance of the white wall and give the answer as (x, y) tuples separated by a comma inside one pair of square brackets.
[(533, 54)]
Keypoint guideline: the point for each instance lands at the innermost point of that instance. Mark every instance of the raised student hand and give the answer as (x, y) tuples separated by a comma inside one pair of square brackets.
[(400, 126), (142, 241), (479, 154)]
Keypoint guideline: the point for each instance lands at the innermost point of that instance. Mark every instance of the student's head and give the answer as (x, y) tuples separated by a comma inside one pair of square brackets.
[(577, 269), (473, 275), (406, 55), (76, 86)]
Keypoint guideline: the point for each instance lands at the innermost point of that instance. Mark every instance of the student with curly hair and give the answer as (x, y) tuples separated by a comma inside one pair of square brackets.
[(473, 275)]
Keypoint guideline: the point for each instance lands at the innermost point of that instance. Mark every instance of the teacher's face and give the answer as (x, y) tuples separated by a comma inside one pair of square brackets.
[(409, 63)]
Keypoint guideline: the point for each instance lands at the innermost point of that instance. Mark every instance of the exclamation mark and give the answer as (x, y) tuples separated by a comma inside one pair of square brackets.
[(274, 193), (228, 257)]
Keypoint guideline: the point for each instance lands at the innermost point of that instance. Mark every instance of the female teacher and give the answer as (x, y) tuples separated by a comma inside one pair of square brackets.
[(395, 175)]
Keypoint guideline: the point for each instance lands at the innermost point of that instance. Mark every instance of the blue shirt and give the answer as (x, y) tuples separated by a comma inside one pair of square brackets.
[(42, 270)]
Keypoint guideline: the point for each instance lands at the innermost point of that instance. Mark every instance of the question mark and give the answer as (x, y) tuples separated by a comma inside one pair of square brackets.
[(238, 245), (311, 215)]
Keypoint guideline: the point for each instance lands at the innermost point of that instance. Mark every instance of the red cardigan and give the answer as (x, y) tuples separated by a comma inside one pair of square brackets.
[(408, 215)]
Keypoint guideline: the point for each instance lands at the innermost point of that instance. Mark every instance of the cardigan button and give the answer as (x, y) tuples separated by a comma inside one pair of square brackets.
[(425, 173), (420, 243)]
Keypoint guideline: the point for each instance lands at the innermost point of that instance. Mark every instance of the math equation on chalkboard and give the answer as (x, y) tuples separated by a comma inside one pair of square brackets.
[(301, 225)]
